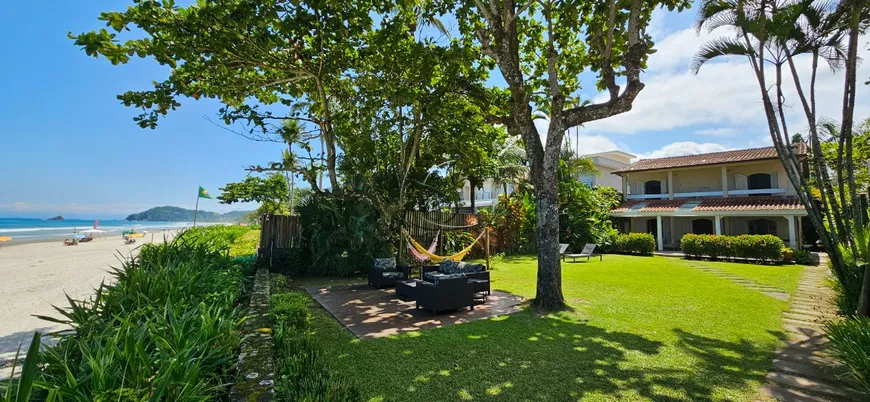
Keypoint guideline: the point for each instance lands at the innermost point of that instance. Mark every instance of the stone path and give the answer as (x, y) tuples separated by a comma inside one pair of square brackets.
[(747, 283), (802, 369)]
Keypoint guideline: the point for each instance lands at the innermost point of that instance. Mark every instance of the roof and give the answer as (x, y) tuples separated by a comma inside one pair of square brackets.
[(727, 204), (612, 152), (713, 158)]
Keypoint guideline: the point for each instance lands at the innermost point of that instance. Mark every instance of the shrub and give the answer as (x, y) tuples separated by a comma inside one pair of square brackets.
[(850, 343), (290, 309), (635, 243), (165, 327), (766, 248), (787, 254), (803, 257)]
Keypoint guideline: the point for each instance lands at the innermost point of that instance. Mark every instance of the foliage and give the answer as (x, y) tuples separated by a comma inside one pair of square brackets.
[(272, 192), (849, 287), (584, 212), (341, 232), (164, 328), (767, 248), (512, 232), (18, 389), (634, 321), (176, 214), (303, 373), (455, 242), (850, 343), (246, 244), (803, 257), (290, 310), (635, 243)]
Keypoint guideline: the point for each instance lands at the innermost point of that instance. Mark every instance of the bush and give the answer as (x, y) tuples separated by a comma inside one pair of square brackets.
[(850, 343), (303, 371), (635, 243), (803, 257), (766, 248), (165, 328), (290, 309)]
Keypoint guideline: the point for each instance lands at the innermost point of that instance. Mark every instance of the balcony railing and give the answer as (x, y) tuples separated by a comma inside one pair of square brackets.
[(706, 194)]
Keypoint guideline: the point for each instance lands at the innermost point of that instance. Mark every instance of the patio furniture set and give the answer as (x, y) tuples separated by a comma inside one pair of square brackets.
[(449, 285)]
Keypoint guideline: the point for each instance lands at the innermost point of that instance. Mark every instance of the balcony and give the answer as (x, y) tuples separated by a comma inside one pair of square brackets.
[(706, 194)]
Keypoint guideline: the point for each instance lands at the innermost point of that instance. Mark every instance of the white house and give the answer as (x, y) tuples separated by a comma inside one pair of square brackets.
[(734, 192)]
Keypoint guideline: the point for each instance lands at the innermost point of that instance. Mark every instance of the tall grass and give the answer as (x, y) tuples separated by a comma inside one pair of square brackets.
[(164, 329), (850, 342)]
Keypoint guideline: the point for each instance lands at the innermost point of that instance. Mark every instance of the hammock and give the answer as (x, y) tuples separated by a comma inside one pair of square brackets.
[(437, 258), (420, 256)]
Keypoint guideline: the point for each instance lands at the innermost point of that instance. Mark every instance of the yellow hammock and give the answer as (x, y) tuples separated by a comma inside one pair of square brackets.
[(437, 258)]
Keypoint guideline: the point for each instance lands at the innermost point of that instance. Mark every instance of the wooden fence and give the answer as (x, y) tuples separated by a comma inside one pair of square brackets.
[(277, 234), (424, 226)]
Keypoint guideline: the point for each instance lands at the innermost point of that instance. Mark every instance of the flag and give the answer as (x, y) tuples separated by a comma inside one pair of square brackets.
[(203, 193)]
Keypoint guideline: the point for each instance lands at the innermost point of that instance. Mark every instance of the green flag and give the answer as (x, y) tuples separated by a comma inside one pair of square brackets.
[(203, 193)]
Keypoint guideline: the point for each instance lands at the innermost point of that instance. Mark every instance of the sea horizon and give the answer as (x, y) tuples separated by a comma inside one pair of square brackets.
[(23, 230)]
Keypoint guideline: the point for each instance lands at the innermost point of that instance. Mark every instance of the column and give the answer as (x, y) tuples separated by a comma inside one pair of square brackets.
[(659, 239), (724, 181), (792, 233), (717, 221), (670, 185), (671, 220), (625, 187)]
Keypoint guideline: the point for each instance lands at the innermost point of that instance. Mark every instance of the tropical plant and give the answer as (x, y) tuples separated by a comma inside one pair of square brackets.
[(771, 34), (273, 193), (635, 243), (850, 343)]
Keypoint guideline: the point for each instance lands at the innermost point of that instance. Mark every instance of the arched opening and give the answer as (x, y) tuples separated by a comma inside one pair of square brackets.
[(759, 181), (652, 226), (652, 187), (762, 227), (702, 226)]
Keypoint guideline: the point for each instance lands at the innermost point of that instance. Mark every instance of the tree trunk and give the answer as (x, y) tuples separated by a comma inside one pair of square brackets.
[(864, 298), (472, 182), (548, 294)]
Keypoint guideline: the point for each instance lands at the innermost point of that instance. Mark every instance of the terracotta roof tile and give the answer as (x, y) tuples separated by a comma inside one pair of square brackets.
[(729, 204), (769, 203), (715, 158)]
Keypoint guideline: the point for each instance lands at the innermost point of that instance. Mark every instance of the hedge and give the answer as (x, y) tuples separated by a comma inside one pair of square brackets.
[(767, 248), (635, 243)]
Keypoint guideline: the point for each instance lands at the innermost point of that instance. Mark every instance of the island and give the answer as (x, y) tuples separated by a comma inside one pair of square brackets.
[(56, 218), (176, 214)]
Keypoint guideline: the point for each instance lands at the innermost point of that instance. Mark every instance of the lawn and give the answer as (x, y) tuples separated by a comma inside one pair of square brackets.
[(640, 328), (784, 277)]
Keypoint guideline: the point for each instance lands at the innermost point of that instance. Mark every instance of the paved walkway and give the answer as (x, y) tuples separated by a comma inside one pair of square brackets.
[(374, 313), (747, 283), (802, 369)]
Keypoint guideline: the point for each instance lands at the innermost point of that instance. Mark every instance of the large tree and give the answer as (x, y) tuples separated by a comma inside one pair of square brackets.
[(266, 61), (541, 47)]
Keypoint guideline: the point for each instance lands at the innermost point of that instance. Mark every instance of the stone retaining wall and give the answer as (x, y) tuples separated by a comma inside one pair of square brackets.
[(255, 380)]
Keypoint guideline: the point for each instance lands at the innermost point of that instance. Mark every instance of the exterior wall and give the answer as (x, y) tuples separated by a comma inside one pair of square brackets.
[(486, 195), (606, 178), (700, 179)]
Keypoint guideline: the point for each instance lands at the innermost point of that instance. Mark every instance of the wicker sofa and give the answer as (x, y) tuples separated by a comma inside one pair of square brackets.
[(384, 272), (445, 294), (452, 269)]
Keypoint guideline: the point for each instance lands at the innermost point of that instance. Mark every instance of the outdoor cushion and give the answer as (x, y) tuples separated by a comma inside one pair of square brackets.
[(392, 274), (434, 277), (466, 268), (385, 264), (449, 267)]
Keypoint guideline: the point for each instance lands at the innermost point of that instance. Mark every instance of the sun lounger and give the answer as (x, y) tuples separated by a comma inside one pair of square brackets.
[(563, 248), (588, 251)]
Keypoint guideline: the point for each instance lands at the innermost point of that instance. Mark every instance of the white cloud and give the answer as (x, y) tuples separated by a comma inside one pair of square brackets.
[(684, 148), (718, 132), (723, 93)]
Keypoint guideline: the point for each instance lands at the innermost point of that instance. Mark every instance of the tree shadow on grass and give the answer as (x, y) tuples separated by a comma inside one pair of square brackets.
[(553, 358)]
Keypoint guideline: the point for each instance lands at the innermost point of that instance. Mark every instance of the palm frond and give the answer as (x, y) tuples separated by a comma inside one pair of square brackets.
[(719, 47)]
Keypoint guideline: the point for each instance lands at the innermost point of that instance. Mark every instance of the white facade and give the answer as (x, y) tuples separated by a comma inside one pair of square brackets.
[(607, 163)]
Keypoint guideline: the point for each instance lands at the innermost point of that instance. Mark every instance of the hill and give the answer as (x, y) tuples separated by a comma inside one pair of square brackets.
[(176, 214)]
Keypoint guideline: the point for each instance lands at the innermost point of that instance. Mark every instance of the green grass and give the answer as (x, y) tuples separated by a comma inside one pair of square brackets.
[(246, 244), (784, 277), (641, 328)]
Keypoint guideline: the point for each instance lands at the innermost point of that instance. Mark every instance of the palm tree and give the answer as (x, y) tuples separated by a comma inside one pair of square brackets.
[(291, 131), (511, 167)]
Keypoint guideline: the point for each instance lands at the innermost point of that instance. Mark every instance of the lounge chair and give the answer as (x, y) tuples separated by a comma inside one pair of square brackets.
[(68, 242), (588, 251), (563, 248)]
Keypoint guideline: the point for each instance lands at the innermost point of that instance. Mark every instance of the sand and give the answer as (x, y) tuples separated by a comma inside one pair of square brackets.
[(35, 276)]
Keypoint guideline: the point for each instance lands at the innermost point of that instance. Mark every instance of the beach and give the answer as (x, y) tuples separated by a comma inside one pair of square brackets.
[(37, 275)]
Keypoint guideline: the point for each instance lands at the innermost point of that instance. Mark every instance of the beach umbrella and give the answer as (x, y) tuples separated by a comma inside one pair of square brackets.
[(79, 236), (4, 239)]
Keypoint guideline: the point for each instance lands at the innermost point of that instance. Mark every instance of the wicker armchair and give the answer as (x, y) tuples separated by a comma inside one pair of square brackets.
[(383, 274), (446, 294)]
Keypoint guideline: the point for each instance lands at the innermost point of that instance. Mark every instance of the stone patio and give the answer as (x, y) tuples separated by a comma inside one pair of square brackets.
[(374, 313)]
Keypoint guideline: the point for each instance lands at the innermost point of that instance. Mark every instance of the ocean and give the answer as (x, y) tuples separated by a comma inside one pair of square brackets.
[(29, 230)]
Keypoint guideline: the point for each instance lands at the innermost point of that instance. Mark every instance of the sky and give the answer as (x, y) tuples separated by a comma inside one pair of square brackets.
[(67, 146)]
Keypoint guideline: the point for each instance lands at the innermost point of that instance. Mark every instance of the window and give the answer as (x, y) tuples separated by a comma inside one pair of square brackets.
[(652, 227), (762, 226), (652, 187), (702, 226), (759, 181)]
